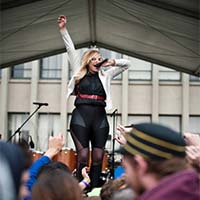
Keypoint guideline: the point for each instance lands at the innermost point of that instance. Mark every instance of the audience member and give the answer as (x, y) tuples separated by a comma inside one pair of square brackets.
[(124, 194), (7, 189), (110, 187), (56, 185), (155, 164), (15, 159), (51, 166), (55, 145), (45, 165)]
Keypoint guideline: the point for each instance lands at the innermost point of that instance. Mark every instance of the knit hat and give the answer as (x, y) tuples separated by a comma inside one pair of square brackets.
[(154, 141)]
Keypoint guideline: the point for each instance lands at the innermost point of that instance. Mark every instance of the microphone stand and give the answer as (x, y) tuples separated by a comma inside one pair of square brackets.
[(113, 144), (18, 130)]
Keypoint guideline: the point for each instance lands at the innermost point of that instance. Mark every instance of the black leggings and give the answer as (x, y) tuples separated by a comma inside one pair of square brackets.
[(89, 124)]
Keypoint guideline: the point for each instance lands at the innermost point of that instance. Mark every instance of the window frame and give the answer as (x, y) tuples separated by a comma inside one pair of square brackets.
[(42, 69)]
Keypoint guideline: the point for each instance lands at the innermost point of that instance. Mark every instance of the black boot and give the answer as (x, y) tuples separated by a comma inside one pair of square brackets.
[(95, 172)]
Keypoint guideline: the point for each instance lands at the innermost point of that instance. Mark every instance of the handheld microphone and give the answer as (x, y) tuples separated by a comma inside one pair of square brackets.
[(40, 104), (101, 63)]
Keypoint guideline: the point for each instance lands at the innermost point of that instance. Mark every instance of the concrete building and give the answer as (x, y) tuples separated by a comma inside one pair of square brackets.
[(146, 92)]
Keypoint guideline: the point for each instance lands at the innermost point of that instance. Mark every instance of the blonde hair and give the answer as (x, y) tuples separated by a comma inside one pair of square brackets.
[(84, 64)]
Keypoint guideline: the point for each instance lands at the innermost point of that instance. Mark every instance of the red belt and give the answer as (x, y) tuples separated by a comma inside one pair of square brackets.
[(87, 96)]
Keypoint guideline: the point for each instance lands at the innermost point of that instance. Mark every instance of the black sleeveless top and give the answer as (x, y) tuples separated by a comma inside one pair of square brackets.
[(90, 84)]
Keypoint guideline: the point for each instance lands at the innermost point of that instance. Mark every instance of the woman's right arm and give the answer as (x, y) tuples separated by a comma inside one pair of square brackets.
[(74, 58)]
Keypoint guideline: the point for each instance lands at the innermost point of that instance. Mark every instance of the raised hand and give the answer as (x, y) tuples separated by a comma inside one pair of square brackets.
[(123, 129), (86, 179), (122, 133), (62, 21), (55, 145), (85, 175), (192, 139), (193, 155), (120, 139)]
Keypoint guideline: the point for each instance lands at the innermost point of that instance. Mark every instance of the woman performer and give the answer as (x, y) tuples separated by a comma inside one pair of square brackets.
[(92, 86)]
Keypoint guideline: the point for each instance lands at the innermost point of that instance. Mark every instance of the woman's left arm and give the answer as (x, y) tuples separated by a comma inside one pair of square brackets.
[(117, 66)]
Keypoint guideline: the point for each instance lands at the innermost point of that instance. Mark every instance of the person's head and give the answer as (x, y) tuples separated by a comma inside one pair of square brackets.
[(13, 156), (57, 184), (7, 187), (152, 152), (125, 194), (110, 187), (52, 166), (89, 59), (24, 146)]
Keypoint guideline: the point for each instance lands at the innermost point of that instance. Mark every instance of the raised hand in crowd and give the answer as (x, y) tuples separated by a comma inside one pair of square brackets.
[(193, 155), (120, 139), (122, 133), (192, 139), (56, 143), (86, 179), (193, 149)]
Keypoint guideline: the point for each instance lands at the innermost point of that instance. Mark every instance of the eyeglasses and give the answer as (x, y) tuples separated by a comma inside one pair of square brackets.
[(96, 59)]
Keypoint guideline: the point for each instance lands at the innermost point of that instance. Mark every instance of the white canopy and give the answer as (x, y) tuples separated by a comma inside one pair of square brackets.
[(165, 32)]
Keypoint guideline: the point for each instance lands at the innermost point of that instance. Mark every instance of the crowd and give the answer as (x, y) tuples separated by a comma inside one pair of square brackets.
[(159, 163)]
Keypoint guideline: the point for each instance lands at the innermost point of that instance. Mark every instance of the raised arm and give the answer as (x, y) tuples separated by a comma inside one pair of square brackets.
[(55, 145), (74, 59), (86, 179), (117, 66)]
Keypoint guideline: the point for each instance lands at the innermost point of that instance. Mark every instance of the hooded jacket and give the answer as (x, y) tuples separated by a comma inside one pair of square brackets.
[(183, 185)]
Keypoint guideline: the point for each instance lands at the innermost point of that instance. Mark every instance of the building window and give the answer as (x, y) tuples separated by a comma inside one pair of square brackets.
[(140, 70), (15, 120), (51, 67), (110, 54), (194, 78), (194, 124), (167, 74), (21, 71), (49, 125), (173, 122), (134, 119)]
